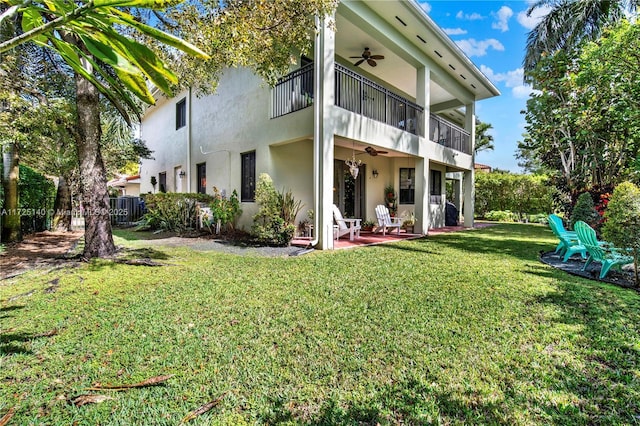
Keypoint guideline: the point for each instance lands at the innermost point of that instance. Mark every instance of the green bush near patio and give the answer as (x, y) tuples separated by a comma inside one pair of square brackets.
[(501, 216), (459, 328), (173, 211)]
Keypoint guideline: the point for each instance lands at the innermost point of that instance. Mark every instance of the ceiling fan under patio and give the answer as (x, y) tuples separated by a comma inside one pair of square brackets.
[(367, 56), (373, 152)]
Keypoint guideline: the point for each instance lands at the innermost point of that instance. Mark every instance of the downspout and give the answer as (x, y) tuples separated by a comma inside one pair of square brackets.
[(189, 143), (318, 117)]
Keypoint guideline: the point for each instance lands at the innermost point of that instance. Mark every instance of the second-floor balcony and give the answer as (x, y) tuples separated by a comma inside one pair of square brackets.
[(363, 96), (358, 94), (448, 134)]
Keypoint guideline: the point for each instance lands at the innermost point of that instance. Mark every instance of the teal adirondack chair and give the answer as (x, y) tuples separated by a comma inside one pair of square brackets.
[(556, 220), (569, 244), (600, 251)]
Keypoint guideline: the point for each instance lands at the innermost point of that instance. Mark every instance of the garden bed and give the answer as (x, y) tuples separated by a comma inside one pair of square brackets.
[(574, 266)]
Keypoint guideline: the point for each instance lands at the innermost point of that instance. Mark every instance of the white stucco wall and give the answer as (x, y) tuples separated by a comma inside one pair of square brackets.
[(132, 189), (220, 127), (169, 146)]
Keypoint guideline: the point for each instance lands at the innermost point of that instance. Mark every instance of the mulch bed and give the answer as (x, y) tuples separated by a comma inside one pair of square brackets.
[(574, 266), (39, 250)]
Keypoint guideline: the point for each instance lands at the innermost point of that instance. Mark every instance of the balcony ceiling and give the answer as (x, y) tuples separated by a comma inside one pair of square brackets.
[(353, 37)]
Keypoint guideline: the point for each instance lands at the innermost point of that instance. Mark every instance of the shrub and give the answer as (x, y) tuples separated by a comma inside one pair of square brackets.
[(601, 206), (224, 211), (585, 211), (622, 227), (172, 211), (290, 207), (503, 191), (37, 194), (542, 218), (270, 226), (501, 216)]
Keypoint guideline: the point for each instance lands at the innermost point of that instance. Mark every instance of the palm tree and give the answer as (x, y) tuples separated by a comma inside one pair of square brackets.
[(570, 23), (484, 141)]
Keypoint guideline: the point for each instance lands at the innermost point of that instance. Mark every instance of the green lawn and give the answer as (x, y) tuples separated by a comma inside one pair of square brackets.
[(464, 328)]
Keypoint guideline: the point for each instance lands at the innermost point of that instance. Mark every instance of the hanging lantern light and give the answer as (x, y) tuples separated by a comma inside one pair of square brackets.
[(353, 164)]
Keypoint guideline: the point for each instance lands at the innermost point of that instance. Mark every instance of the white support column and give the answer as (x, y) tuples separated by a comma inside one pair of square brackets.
[(422, 213), (422, 195), (423, 97), (323, 132), (457, 194), (469, 176)]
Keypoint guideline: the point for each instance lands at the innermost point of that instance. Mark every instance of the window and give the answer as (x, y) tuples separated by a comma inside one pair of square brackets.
[(248, 176), (201, 171), (162, 181), (436, 187), (181, 114), (407, 186)]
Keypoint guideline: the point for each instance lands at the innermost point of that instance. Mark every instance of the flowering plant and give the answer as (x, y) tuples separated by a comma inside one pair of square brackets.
[(601, 208)]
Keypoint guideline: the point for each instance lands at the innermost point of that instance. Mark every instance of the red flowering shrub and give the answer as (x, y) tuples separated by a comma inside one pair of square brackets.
[(601, 206)]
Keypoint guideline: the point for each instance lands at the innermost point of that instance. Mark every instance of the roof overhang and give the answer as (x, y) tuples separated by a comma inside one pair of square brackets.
[(428, 43)]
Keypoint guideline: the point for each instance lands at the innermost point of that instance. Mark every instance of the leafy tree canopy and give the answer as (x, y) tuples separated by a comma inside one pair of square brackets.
[(263, 35), (583, 123), (91, 37)]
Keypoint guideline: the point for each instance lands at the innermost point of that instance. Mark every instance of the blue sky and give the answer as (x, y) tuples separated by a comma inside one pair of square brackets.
[(493, 34)]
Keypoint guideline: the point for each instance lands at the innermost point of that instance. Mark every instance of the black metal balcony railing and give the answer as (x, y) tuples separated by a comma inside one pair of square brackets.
[(358, 94), (293, 92), (449, 135)]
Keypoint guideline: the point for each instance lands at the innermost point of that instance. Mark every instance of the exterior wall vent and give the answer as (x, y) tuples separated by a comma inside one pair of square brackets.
[(401, 21)]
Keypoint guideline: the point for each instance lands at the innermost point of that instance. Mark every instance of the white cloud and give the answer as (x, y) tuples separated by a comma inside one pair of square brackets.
[(511, 79), (502, 17), (425, 6), (454, 31), (529, 22), (469, 17), (473, 47)]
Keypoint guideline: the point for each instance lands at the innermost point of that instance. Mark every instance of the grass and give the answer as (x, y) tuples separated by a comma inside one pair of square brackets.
[(464, 328)]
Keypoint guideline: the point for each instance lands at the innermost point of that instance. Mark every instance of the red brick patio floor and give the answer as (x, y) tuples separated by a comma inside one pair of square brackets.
[(373, 238)]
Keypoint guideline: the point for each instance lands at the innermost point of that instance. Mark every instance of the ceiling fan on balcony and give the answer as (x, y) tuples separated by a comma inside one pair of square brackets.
[(367, 56)]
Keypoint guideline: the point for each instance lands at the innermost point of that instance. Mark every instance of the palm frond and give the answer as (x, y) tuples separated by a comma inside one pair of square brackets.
[(569, 24)]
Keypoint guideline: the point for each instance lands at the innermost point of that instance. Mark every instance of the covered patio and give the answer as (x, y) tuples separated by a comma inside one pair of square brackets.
[(373, 238)]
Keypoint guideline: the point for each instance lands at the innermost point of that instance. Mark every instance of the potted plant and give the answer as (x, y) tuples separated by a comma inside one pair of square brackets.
[(390, 199), (408, 222), (367, 225)]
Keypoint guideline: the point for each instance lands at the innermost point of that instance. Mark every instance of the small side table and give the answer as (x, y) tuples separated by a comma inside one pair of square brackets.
[(308, 230)]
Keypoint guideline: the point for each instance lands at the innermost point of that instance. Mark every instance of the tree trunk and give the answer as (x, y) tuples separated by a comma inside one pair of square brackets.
[(62, 207), (11, 215), (93, 181)]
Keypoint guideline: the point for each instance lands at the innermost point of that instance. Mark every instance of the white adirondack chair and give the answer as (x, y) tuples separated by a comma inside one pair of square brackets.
[(385, 220), (345, 226)]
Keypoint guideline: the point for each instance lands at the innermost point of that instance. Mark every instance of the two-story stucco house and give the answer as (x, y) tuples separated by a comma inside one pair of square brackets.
[(407, 119)]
